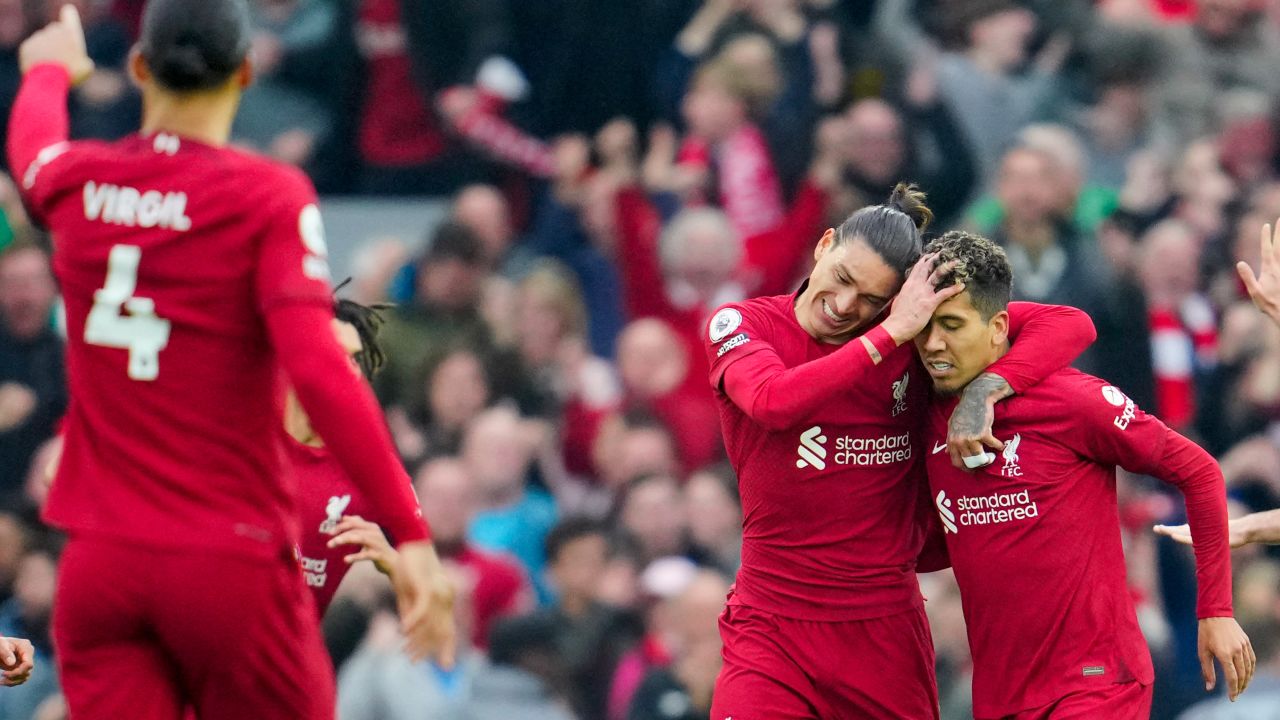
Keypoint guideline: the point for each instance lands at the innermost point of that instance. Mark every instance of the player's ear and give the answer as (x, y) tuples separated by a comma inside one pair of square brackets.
[(999, 325), (824, 243), (139, 73)]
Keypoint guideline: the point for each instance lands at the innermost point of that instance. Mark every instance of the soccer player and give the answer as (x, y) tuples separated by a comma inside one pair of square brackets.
[(822, 409), (191, 274), (1034, 538), (330, 505)]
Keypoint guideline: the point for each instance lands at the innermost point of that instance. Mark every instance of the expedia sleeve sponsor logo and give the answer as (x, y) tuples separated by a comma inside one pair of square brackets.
[(1116, 398), (736, 341), (1126, 416)]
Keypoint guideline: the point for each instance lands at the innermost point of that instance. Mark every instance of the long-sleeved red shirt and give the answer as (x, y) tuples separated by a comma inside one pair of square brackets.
[(1034, 539), (191, 273)]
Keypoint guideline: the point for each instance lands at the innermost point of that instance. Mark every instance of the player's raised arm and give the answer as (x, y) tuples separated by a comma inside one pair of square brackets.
[(1114, 430), (52, 60)]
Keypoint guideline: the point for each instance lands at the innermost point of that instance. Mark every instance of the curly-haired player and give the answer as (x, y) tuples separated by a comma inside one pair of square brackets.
[(1034, 536)]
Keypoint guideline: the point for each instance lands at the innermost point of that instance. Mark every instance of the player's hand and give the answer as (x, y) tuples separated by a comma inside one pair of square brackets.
[(355, 530), (1236, 534), (918, 298), (17, 659), (1265, 288), (969, 431), (61, 42), (425, 597), (1221, 638)]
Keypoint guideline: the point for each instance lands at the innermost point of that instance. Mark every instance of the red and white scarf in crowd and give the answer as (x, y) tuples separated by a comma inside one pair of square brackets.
[(1182, 339)]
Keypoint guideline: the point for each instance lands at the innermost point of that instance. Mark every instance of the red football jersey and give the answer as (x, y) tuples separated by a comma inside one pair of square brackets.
[(829, 457), (828, 511), (325, 494), (1034, 539), (171, 274)]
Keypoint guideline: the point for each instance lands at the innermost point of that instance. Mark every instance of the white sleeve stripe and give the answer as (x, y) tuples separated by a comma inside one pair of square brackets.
[(44, 157)]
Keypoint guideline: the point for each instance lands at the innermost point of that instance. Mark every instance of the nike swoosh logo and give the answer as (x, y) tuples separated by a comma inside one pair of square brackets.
[(939, 448)]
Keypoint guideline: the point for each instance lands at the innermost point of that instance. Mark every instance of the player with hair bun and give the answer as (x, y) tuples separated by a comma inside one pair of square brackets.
[(822, 406)]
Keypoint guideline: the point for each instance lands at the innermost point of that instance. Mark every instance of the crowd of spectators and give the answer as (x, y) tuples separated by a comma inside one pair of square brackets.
[(615, 171)]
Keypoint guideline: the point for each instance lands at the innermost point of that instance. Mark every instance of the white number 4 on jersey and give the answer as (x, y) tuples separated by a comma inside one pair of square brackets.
[(140, 332)]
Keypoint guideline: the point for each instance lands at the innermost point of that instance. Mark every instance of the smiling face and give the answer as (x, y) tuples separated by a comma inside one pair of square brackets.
[(848, 289), (958, 344)]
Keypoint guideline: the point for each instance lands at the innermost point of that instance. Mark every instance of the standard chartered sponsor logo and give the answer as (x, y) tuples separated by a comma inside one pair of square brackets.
[(985, 509), (849, 450), (811, 450)]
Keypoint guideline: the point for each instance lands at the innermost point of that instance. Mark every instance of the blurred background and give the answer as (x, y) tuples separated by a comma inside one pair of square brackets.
[(555, 194)]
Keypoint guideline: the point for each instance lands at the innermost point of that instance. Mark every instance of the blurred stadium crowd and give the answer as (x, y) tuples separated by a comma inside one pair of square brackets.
[(618, 168)]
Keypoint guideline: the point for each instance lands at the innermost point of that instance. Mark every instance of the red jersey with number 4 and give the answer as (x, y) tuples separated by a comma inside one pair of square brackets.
[(325, 494), (829, 458), (174, 433), (1034, 539)]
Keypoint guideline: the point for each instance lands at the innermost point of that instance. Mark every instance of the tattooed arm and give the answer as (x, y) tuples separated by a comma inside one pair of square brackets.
[(969, 431)]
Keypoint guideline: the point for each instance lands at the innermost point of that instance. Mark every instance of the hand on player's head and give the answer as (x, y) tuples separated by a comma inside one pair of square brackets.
[(425, 595), (1222, 639), (60, 42), (17, 659), (919, 297)]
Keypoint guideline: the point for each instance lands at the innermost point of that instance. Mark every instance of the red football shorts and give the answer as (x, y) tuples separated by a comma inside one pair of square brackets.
[(142, 632), (1117, 701), (777, 668)]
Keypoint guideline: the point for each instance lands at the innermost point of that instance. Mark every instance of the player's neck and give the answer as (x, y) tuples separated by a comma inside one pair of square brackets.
[(998, 353), (204, 117)]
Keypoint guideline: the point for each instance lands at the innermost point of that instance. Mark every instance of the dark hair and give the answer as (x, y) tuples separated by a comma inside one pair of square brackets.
[(982, 266), (570, 529), (367, 320), (454, 241), (194, 45), (893, 229)]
